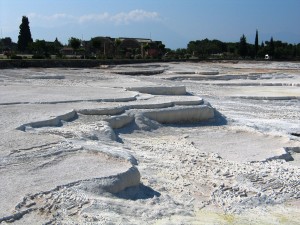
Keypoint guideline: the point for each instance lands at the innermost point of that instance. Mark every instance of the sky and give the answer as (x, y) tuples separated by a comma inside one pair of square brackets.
[(174, 22)]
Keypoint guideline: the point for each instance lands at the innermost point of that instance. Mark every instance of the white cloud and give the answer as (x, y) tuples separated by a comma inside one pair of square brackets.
[(137, 15), (93, 18), (134, 16), (57, 16), (51, 20)]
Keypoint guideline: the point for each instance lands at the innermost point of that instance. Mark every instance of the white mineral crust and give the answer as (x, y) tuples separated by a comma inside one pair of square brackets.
[(165, 143)]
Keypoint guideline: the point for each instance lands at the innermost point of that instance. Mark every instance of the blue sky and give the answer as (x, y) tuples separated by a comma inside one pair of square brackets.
[(175, 22)]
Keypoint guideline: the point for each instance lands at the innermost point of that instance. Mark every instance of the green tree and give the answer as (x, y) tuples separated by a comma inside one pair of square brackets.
[(298, 50), (117, 44), (58, 45), (24, 38), (96, 43), (181, 53), (243, 46), (256, 43), (233, 48), (161, 47), (206, 47), (145, 48), (262, 51), (39, 48), (271, 47), (74, 43)]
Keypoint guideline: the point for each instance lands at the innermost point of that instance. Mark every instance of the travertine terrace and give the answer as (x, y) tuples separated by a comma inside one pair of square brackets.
[(165, 143)]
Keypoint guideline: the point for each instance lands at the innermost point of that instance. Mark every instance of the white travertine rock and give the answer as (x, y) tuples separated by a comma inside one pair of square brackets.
[(116, 183), (182, 115), (101, 111), (56, 121), (160, 90), (117, 122), (65, 166)]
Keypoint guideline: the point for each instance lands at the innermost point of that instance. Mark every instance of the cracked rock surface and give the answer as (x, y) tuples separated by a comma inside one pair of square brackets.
[(169, 143)]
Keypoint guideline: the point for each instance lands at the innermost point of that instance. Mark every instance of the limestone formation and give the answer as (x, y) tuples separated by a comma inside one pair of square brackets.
[(174, 143)]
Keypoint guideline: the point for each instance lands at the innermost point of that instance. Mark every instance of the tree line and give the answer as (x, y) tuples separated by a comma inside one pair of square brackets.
[(198, 49), (232, 50), (96, 47)]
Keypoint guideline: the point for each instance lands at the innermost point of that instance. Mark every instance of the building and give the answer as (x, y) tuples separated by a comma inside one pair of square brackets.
[(122, 47)]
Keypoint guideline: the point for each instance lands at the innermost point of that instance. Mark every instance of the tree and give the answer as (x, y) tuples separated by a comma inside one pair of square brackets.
[(96, 43), (57, 44), (55, 47), (39, 48), (181, 53), (117, 44), (24, 38), (161, 47), (271, 47), (243, 46), (256, 43), (74, 43), (205, 48), (298, 50), (145, 48), (6, 41)]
